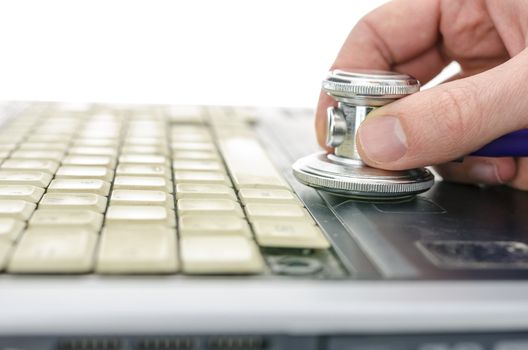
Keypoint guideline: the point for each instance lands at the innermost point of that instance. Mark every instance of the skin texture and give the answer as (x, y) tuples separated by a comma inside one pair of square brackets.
[(488, 99)]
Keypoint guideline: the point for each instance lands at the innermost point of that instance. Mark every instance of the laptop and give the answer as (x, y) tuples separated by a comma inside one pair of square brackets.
[(155, 227)]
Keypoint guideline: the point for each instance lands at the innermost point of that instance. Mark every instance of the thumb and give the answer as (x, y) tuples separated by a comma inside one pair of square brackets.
[(446, 122)]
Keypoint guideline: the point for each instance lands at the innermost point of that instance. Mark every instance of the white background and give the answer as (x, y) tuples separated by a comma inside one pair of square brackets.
[(184, 52)]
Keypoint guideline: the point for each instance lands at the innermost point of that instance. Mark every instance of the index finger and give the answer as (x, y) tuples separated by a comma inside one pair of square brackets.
[(401, 35)]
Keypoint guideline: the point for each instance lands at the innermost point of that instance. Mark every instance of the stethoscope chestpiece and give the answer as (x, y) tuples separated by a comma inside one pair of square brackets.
[(342, 172)]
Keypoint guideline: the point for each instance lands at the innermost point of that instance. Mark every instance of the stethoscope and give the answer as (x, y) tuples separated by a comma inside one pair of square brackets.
[(342, 172)]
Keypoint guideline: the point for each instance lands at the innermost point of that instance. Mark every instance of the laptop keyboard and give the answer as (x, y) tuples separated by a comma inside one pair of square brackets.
[(142, 191)]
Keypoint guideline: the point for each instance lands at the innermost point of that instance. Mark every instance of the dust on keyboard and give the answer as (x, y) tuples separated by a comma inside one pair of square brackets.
[(142, 190)]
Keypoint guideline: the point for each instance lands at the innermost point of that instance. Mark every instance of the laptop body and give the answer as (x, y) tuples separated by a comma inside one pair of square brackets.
[(447, 269)]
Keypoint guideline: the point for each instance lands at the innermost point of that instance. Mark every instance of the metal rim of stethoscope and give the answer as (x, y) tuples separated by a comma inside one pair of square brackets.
[(362, 182), (369, 84)]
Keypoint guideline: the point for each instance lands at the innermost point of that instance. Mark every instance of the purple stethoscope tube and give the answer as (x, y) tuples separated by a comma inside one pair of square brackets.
[(514, 144)]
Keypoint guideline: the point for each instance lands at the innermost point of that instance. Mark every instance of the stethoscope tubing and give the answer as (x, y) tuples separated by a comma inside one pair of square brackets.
[(514, 144)]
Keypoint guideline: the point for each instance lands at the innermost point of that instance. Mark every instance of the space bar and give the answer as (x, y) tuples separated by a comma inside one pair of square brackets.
[(248, 163)]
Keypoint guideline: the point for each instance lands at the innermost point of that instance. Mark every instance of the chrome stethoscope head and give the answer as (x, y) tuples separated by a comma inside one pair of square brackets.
[(342, 172)]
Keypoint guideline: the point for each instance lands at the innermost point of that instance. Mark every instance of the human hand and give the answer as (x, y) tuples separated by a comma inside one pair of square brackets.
[(489, 98)]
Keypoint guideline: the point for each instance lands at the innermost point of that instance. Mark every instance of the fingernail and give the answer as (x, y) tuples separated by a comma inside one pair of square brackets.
[(383, 139), (485, 173)]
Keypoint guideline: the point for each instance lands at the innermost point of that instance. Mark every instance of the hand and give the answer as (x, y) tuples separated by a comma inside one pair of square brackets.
[(488, 99)]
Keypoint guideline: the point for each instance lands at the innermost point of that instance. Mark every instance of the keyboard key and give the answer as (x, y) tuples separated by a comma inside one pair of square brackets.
[(197, 165), (246, 115), (54, 250), (49, 138), (62, 201), (8, 147), (39, 146), (233, 129), (77, 109), (190, 225), (24, 177), (43, 155), (141, 133), (204, 191), (193, 146), (192, 137), (220, 255), (145, 150), (289, 234), (13, 135), (112, 143), (185, 133), (229, 116), (27, 193), (202, 177), (101, 132), (95, 186), (177, 129), (248, 164), (195, 155), (145, 141), (47, 166), (145, 128), (16, 209), (106, 161), (138, 250), (10, 229), (184, 114), (84, 172), (70, 217), (140, 214), (143, 159), (143, 170), (51, 127), (209, 207), (257, 195), (141, 197), (152, 183), (93, 151), (256, 211)]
